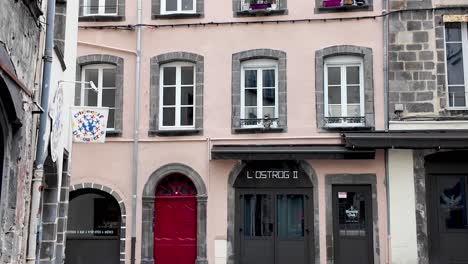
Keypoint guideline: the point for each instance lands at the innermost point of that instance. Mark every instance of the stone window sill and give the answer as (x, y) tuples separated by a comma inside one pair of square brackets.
[(60, 56), (100, 18), (256, 130), (170, 133), (344, 8), (261, 12), (177, 16)]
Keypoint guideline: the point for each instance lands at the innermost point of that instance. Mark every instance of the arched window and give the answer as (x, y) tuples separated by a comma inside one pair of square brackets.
[(94, 223)]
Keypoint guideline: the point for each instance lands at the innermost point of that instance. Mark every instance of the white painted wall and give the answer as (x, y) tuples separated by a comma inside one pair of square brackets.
[(402, 207)]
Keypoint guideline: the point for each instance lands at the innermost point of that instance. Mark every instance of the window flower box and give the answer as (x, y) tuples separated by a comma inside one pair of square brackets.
[(258, 6), (331, 3)]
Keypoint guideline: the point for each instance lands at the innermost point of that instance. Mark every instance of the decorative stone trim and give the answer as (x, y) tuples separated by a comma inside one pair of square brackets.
[(59, 30), (366, 55), (237, 10), (148, 198), (119, 78), (369, 179), (156, 11), (103, 18), (231, 212), (237, 60), (117, 197), (156, 63)]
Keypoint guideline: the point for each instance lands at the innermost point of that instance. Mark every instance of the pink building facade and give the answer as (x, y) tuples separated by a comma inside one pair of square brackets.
[(240, 155)]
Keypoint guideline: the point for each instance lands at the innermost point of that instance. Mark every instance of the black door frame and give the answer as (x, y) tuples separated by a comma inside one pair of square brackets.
[(309, 238)]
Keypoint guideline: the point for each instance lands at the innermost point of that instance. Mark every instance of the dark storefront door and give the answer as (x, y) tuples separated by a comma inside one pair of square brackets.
[(352, 224), (274, 226), (449, 225), (175, 221)]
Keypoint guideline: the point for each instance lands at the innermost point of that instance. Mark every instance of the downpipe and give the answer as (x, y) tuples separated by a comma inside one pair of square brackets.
[(35, 218), (136, 133)]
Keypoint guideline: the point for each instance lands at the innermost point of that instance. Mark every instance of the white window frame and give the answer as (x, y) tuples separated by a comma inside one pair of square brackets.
[(102, 8), (179, 8), (259, 65), (464, 40), (100, 68), (343, 62), (178, 66)]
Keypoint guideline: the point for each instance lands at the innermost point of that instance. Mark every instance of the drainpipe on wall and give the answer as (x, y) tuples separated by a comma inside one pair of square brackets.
[(385, 30), (135, 133), (41, 147)]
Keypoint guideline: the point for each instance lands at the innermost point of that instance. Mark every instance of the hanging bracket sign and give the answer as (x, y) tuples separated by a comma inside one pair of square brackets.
[(89, 124)]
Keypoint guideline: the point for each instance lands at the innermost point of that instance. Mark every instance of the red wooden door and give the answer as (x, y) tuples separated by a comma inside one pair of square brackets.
[(175, 225)]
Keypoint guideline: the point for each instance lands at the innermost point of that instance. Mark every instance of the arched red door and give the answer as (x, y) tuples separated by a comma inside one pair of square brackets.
[(175, 225)]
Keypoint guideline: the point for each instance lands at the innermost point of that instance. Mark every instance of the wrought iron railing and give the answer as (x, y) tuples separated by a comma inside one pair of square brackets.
[(259, 122), (346, 120), (457, 99)]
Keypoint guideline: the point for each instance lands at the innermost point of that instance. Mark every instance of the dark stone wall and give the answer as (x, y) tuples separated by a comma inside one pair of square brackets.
[(20, 32)]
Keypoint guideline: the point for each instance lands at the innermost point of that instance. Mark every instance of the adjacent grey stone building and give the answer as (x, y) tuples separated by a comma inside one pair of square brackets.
[(20, 31)]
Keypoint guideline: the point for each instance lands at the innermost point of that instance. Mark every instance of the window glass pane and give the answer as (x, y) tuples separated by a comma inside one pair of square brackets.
[(108, 78), (453, 31), (457, 96), (269, 111), (111, 118), (452, 195), (251, 78), (250, 113), (91, 75), (111, 6), (187, 5), (352, 75), (90, 97), (269, 78), (108, 97), (187, 75), (171, 5), (353, 95), (258, 220), (186, 96), (334, 110), (290, 215), (169, 75), (169, 96), (93, 6), (334, 75), (353, 110), (454, 54), (268, 97), (168, 116), (186, 116), (250, 97), (334, 95), (351, 214)]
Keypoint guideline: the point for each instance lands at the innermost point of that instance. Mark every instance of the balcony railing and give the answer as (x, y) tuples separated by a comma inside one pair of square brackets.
[(458, 99), (340, 121), (259, 122), (344, 4), (259, 6)]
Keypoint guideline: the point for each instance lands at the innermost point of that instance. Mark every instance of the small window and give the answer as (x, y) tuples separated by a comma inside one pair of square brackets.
[(456, 54), (104, 77), (259, 94), (344, 92), (253, 5), (100, 7), (178, 7), (177, 96)]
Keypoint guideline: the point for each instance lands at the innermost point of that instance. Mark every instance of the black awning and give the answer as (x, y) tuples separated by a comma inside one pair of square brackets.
[(287, 152), (448, 139)]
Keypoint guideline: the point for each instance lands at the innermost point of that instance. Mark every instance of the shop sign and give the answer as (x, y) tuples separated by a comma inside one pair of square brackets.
[(56, 114), (272, 174), (89, 124), (100, 232)]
